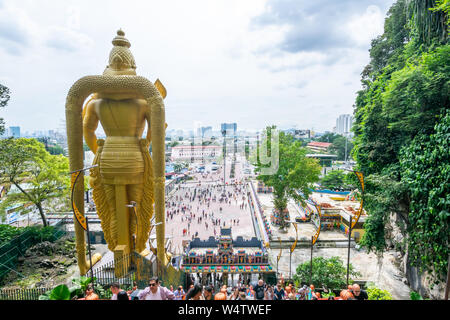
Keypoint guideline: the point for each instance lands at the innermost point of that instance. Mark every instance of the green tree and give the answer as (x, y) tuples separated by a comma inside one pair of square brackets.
[(339, 147), (328, 137), (4, 98), (55, 150), (335, 179), (25, 161), (328, 273), (295, 174)]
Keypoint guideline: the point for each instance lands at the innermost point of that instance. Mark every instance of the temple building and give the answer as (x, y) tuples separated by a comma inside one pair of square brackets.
[(219, 261), (195, 152)]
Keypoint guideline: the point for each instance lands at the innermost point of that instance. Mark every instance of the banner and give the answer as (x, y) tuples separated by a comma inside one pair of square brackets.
[(80, 217)]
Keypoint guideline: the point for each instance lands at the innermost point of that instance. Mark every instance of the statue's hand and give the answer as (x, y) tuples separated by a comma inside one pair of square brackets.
[(162, 90), (100, 142), (144, 143)]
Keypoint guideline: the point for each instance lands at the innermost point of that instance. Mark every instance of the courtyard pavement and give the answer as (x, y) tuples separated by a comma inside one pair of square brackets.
[(230, 212)]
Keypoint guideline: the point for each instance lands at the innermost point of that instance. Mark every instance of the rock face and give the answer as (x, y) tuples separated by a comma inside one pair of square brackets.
[(44, 265), (418, 281), (41, 249)]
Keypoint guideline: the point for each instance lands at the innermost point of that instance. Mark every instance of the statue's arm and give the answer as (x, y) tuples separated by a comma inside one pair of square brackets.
[(90, 125), (149, 128), (148, 118)]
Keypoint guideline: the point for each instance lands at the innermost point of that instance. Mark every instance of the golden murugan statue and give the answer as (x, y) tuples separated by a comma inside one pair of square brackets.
[(123, 103)]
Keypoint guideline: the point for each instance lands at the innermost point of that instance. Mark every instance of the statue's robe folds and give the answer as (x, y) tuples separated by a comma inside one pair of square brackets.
[(123, 161)]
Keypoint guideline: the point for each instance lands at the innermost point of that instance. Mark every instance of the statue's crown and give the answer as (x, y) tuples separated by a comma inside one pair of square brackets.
[(120, 40), (121, 60)]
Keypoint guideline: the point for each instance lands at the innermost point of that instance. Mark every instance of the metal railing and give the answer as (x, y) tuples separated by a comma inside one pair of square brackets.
[(135, 270), (22, 294)]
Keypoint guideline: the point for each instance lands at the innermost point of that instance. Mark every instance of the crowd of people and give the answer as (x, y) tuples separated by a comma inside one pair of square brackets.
[(194, 205), (261, 291)]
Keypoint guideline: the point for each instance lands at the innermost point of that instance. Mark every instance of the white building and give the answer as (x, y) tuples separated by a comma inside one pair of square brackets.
[(344, 124), (195, 152)]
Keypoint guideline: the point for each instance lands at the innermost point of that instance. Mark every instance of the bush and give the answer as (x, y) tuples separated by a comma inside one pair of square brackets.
[(375, 293), (63, 292), (330, 273), (42, 234), (38, 233), (415, 296), (327, 295), (8, 232)]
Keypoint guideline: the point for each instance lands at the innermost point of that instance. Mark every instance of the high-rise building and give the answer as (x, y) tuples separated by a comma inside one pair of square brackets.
[(344, 124), (14, 132), (205, 132), (230, 128)]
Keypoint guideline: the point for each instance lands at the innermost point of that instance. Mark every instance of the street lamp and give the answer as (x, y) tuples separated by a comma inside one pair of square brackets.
[(224, 133), (153, 249), (294, 223), (345, 159), (279, 255), (354, 220), (133, 205)]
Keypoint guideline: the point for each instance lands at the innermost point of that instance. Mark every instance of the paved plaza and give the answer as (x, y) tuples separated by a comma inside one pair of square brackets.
[(183, 211), (305, 230)]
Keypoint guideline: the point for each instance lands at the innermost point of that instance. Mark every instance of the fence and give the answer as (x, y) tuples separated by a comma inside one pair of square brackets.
[(12, 250), (22, 294), (134, 269), (129, 271)]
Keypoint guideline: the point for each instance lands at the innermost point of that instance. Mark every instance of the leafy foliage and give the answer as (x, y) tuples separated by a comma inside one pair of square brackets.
[(405, 92), (444, 6), (375, 293), (415, 296), (39, 233), (81, 284), (8, 232), (425, 167), (329, 273), (63, 292), (295, 171), (342, 147), (335, 179), (25, 161), (428, 24), (60, 293), (338, 144), (4, 98)]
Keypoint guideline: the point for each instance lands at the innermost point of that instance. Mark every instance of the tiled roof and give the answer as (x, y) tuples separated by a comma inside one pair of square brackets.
[(319, 144)]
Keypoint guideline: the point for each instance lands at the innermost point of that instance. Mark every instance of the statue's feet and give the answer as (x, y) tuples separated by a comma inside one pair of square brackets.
[(85, 265), (95, 258)]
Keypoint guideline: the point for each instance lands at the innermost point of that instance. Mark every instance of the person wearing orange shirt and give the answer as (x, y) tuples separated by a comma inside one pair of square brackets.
[(90, 294)]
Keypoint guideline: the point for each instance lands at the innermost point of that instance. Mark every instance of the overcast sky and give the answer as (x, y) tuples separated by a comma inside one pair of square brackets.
[(293, 63)]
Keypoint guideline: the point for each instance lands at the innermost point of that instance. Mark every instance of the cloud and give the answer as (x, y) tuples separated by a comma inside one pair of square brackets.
[(222, 60), (61, 38), (15, 33), (327, 26), (19, 31)]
